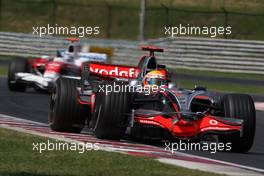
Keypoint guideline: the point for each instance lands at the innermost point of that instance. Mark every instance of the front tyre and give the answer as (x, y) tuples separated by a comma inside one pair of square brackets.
[(110, 117), (240, 106), (15, 66), (66, 114)]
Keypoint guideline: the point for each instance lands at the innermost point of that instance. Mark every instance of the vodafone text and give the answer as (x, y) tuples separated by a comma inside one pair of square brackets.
[(115, 72)]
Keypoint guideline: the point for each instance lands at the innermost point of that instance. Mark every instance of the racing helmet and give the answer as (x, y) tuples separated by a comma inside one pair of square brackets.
[(155, 78)]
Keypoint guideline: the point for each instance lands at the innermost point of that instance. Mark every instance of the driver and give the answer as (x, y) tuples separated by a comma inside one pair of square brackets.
[(72, 53), (155, 78)]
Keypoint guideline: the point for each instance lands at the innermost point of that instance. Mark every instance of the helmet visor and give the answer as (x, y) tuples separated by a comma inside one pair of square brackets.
[(155, 81)]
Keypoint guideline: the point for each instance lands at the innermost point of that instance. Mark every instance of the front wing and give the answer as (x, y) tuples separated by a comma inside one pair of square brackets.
[(189, 125)]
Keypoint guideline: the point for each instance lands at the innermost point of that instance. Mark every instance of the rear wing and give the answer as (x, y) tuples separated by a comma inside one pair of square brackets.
[(110, 71), (151, 49)]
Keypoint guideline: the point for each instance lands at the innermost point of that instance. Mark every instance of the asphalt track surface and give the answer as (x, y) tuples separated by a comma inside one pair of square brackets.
[(34, 106)]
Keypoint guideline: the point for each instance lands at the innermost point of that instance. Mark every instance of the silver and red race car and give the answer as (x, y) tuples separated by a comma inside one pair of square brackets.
[(109, 100), (41, 73)]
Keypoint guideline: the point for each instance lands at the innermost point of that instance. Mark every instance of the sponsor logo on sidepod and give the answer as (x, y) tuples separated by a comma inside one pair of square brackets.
[(115, 71)]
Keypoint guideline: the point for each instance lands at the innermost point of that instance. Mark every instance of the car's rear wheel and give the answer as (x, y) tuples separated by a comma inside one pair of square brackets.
[(110, 116), (15, 66), (66, 114), (240, 106)]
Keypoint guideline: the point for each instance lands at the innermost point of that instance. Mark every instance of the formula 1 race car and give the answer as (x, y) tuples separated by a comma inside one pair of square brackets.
[(42, 72), (117, 101)]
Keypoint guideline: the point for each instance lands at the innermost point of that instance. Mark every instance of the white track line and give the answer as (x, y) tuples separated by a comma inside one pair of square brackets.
[(22, 120), (169, 161)]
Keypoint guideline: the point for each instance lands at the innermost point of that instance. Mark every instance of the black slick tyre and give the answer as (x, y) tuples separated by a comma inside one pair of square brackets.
[(66, 113)]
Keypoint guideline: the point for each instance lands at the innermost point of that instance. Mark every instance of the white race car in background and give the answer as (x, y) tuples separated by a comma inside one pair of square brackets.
[(41, 73)]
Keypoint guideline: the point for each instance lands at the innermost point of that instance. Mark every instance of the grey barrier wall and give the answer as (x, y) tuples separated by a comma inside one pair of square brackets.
[(182, 52)]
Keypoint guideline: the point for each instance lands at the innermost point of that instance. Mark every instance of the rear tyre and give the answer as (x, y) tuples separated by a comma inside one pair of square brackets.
[(110, 117), (66, 114), (240, 106), (15, 66)]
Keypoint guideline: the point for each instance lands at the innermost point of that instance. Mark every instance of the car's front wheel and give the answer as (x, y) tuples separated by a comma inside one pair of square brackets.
[(16, 66), (66, 113), (240, 106), (111, 112)]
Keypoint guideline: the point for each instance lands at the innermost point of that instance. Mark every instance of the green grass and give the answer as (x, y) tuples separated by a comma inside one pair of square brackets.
[(222, 87), (213, 85), (215, 74), (17, 158), (3, 70), (20, 16)]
